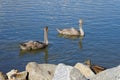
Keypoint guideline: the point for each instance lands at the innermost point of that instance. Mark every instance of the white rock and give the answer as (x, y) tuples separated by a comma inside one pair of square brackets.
[(85, 70), (10, 73), (109, 74), (64, 72), (40, 71)]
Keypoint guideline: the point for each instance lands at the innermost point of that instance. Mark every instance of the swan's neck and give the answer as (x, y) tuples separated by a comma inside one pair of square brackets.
[(45, 36), (81, 30)]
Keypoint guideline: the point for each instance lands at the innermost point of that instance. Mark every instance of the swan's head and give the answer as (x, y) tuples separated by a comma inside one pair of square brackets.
[(46, 28), (80, 21)]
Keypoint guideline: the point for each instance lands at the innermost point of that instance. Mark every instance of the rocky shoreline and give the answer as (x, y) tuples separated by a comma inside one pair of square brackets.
[(80, 71)]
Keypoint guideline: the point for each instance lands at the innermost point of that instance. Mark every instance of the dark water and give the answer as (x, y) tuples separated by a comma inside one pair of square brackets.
[(24, 20)]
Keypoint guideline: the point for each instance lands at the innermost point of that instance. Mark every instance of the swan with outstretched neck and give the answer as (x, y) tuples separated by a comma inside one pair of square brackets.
[(34, 45), (72, 31)]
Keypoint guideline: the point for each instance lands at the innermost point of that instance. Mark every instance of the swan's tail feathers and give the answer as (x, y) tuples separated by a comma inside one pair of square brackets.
[(58, 30)]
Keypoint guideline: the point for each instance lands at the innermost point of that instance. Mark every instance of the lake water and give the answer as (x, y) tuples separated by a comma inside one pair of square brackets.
[(24, 20)]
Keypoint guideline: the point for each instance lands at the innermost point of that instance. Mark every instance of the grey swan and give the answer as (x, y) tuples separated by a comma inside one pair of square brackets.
[(34, 45), (72, 31)]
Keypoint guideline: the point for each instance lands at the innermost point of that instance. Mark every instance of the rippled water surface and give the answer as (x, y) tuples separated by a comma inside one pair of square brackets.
[(24, 20)]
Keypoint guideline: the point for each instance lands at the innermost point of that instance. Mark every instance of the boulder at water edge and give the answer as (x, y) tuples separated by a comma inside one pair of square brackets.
[(40, 71), (15, 75), (109, 74), (85, 70), (64, 72), (2, 76)]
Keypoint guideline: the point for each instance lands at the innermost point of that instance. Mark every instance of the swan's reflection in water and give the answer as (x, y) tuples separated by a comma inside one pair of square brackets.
[(45, 51), (73, 37), (80, 42)]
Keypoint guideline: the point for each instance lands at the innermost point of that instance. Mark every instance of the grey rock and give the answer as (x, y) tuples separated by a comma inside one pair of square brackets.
[(109, 74), (65, 72), (40, 71)]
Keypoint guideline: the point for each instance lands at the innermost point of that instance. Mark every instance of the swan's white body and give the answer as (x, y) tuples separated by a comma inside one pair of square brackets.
[(72, 31), (33, 45)]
